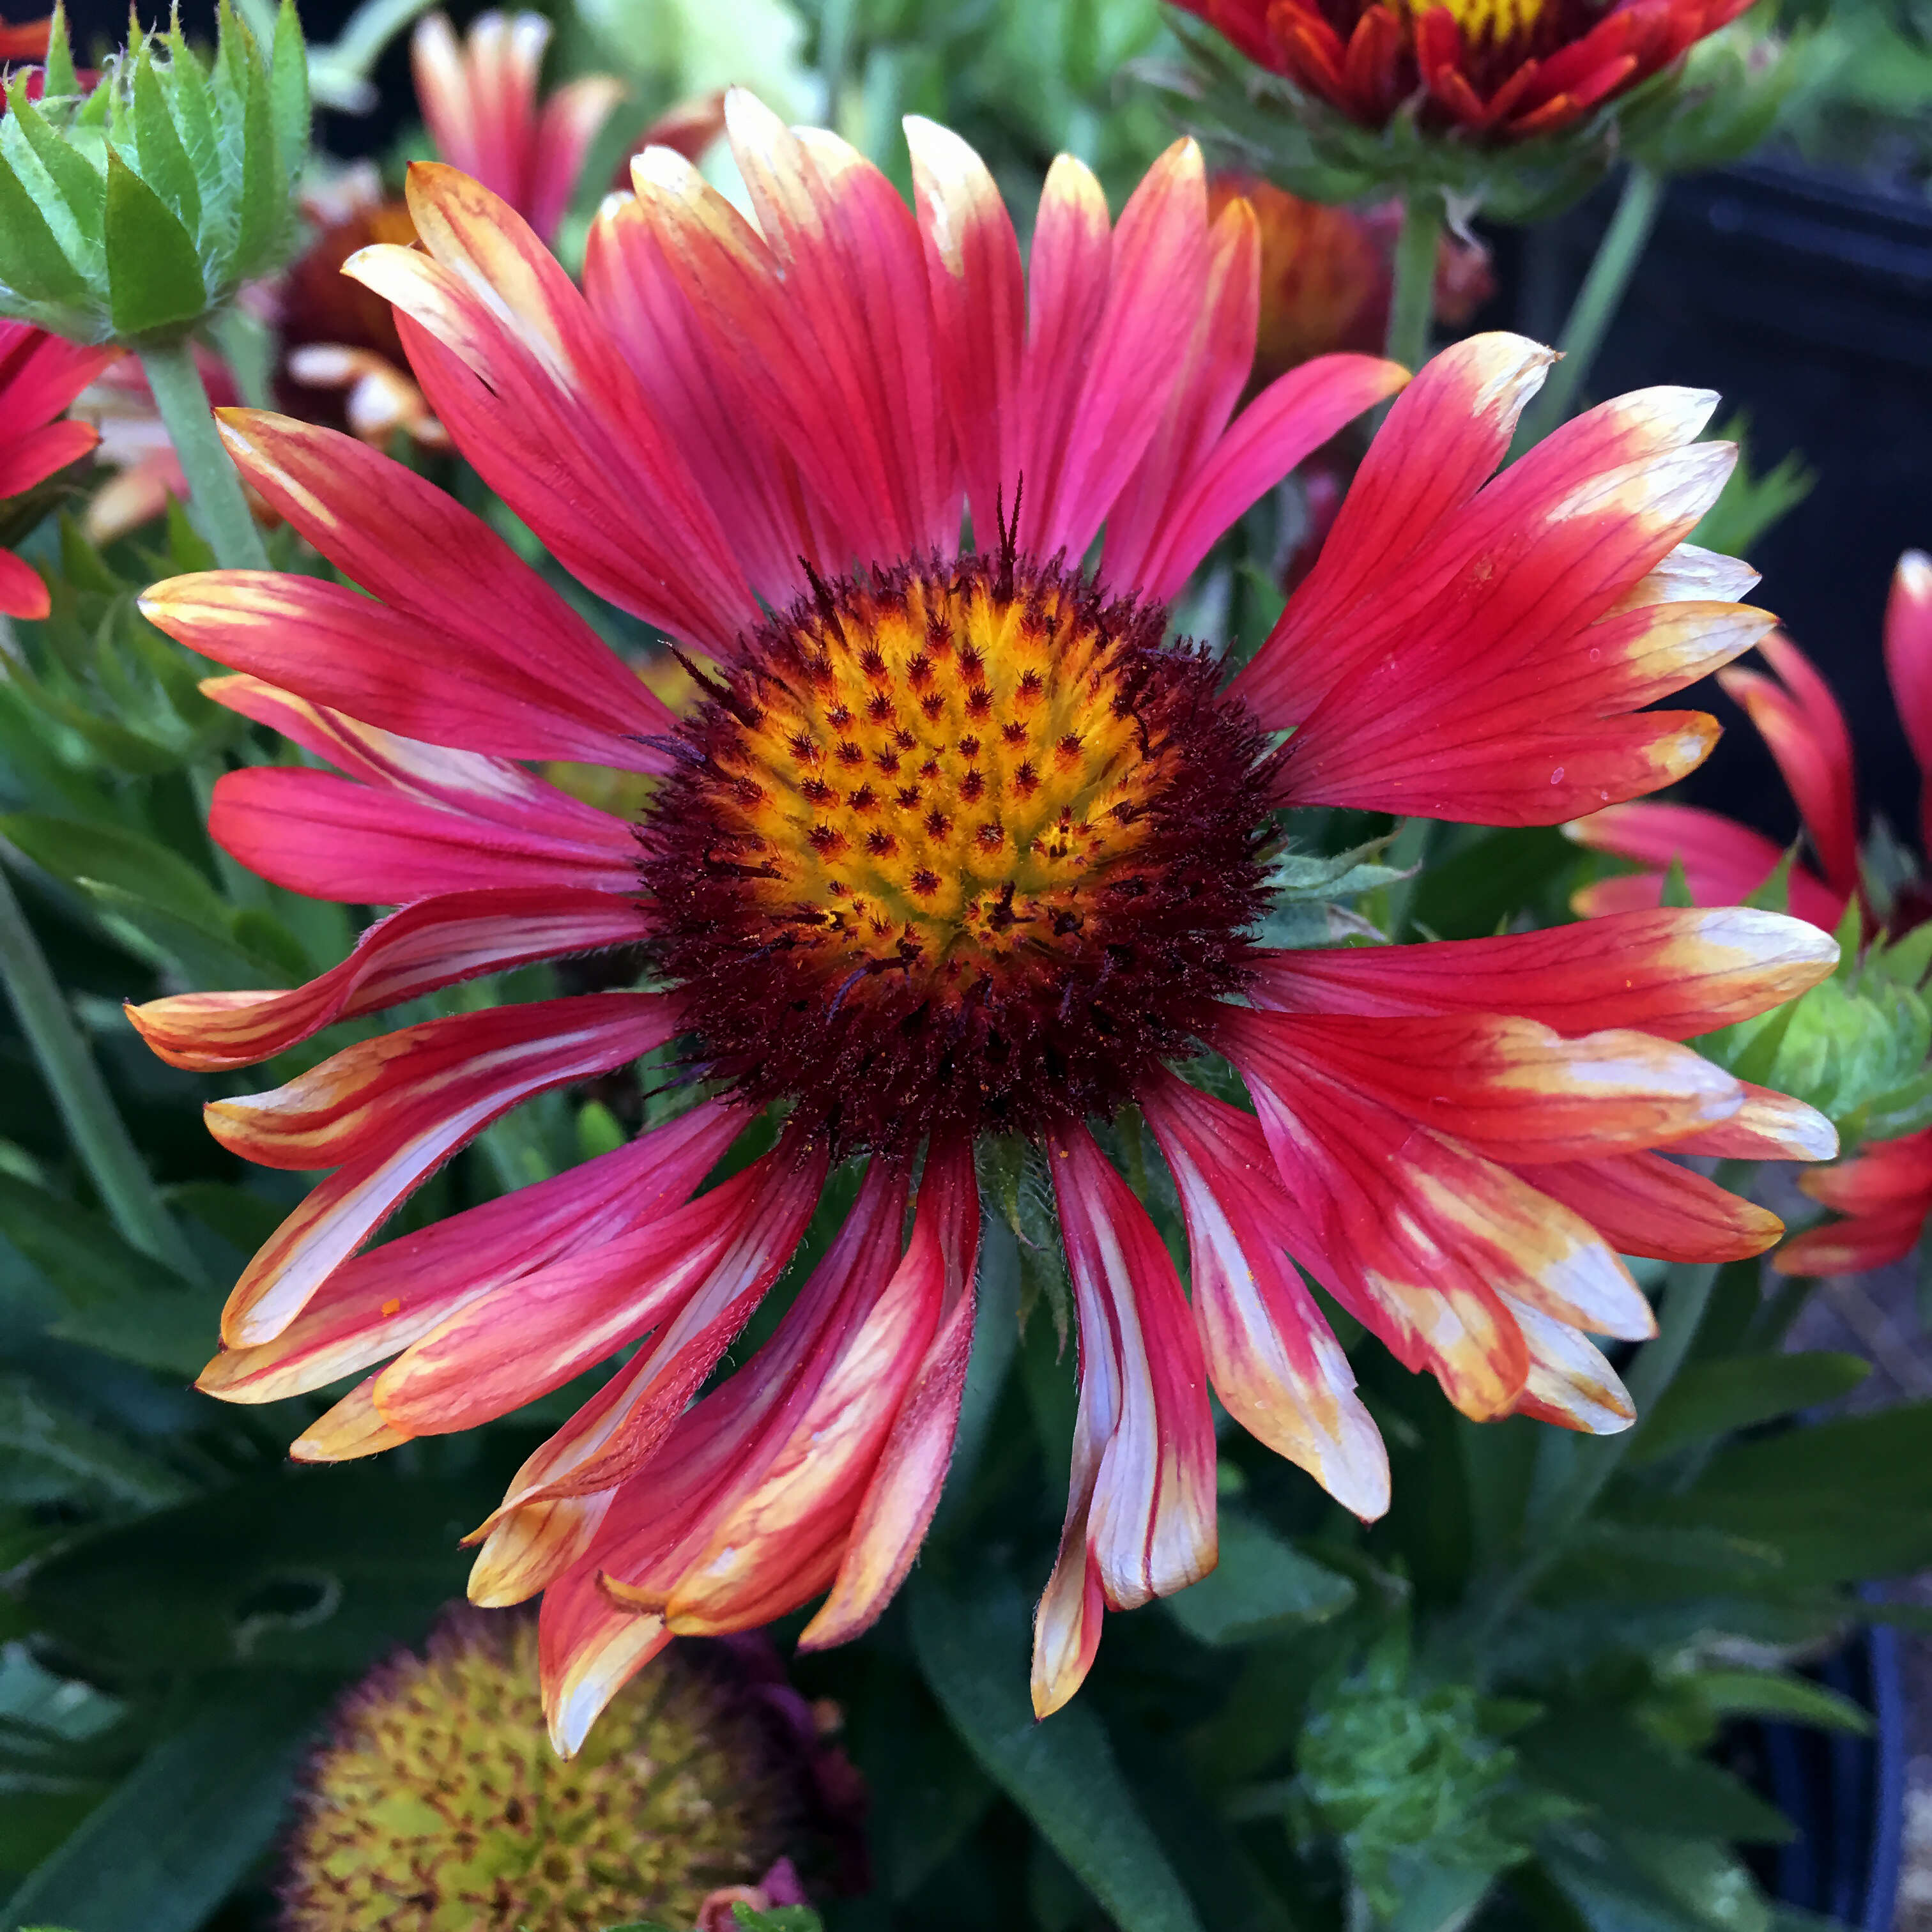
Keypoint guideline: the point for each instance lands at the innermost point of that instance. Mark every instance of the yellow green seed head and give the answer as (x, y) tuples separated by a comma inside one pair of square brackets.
[(437, 1804)]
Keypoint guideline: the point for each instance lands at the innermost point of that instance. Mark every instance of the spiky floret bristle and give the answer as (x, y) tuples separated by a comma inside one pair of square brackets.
[(961, 844), (437, 1804)]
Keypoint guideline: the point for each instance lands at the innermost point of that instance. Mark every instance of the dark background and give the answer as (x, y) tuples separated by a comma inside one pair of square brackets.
[(1805, 299)]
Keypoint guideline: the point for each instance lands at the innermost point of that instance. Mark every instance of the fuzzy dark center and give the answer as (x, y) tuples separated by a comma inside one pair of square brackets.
[(963, 843)]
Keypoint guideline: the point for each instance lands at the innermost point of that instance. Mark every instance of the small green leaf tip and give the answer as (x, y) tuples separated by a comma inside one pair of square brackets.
[(134, 212)]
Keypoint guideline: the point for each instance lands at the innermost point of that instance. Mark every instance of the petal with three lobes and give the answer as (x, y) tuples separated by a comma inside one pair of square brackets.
[(386, 667), (847, 250), (1140, 1518), (422, 553), (431, 943), (1157, 279), (558, 1499), (588, 1649), (1768, 1127), (1513, 1089), (722, 1453), (978, 292), (1271, 1357), (1674, 972), (897, 1507), (379, 1302), (741, 463), (1643, 1203), (1442, 440), (1569, 1382), (394, 1109), (1067, 270), (535, 394)]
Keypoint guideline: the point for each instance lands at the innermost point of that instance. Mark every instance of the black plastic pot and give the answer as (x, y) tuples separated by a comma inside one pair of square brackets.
[(1845, 1794)]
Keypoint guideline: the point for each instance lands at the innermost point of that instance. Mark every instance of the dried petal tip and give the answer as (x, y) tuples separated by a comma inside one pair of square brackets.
[(435, 1800)]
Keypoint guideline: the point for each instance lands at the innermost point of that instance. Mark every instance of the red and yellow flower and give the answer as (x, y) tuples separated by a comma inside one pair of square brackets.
[(1494, 70), (956, 845), (1885, 1192), (40, 375)]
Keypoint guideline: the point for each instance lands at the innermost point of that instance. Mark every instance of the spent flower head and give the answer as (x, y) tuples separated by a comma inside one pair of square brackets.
[(132, 210), (435, 1802)]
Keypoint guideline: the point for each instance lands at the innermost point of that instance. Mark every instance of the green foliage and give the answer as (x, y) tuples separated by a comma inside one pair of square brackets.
[(132, 213), (1753, 500), (1424, 1800)]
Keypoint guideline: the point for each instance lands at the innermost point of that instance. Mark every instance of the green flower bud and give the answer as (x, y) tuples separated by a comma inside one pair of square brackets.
[(132, 213), (437, 1804), (1725, 103), (1854, 1047)]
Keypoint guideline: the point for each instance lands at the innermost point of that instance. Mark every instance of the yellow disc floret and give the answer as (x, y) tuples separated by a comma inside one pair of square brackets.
[(954, 822)]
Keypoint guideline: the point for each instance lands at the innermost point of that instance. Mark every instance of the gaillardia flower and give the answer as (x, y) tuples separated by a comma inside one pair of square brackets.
[(1496, 70), (958, 844), (1884, 1191), (479, 98)]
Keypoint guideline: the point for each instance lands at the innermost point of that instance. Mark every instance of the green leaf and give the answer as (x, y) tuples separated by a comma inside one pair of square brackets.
[(1772, 1693), (1715, 1398), (288, 91), (164, 163), (972, 1645), (194, 110), (118, 1300), (1261, 1586), (264, 208), (1675, 890), (76, 214), (33, 266), (1597, 1755), (171, 1842), (48, 1453), (1310, 875), (137, 865), (60, 82), (154, 275)]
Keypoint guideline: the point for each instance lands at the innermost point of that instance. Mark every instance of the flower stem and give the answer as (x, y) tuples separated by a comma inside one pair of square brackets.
[(113, 1164), (1412, 300), (213, 483), (1597, 303)]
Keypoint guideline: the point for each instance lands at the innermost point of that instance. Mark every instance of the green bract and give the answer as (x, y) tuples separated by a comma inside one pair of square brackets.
[(131, 213)]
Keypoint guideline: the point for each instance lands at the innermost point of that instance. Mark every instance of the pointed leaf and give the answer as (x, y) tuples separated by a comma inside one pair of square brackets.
[(165, 165), (73, 205), (166, 1848), (194, 112), (265, 180), (288, 91), (971, 1645), (154, 281), (33, 266), (58, 80), (1715, 1398), (1261, 1585)]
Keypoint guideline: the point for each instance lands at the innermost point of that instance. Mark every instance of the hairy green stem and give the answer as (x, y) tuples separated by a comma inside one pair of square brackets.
[(100, 1138), (1597, 303), (1412, 300), (213, 483)]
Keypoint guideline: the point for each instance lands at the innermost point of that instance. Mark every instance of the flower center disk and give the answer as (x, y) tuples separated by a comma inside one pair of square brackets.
[(962, 843)]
